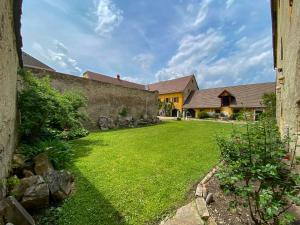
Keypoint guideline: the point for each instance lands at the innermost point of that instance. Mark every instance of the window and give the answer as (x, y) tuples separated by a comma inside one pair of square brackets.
[(167, 99), (291, 3), (175, 99), (236, 111), (225, 100), (217, 111)]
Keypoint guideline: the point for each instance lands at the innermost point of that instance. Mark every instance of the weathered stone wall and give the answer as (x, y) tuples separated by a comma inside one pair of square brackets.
[(9, 63), (105, 99), (287, 56)]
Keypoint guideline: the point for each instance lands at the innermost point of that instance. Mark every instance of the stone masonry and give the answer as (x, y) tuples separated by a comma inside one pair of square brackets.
[(9, 63), (105, 99), (286, 42)]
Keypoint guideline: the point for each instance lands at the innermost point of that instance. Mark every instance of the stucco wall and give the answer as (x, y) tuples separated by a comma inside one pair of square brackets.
[(105, 99), (9, 63), (288, 60)]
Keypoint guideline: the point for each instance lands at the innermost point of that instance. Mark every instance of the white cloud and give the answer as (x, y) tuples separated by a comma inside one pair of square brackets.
[(202, 13), (133, 79), (241, 29), (203, 55), (144, 60), (58, 56), (229, 3), (108, 17), (196, 14), (192, 51)]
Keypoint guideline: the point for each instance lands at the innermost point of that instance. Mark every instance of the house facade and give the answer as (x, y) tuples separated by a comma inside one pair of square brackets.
[(229, 100), (286, 49), (175, 91)]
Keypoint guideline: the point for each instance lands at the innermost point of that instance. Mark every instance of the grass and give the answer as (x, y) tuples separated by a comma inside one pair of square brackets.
[(137, 176)]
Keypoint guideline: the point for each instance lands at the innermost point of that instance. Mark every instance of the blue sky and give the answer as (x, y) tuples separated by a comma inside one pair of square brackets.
[(222, 42)]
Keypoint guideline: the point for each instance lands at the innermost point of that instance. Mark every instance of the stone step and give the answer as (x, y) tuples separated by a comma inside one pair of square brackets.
[(186, 215)]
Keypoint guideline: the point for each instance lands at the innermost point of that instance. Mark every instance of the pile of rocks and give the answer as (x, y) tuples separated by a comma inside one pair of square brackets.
[(106, 123), (38, 186)]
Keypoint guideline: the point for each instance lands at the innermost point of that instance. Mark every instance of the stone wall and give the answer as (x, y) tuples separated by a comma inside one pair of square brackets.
[(286, 29), (104, 99), (9, 62)]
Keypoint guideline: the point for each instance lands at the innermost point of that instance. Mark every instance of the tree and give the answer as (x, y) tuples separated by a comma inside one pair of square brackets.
[(269, 101)]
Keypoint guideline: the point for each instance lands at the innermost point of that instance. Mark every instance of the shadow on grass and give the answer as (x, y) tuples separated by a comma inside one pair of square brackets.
[(88, 206)]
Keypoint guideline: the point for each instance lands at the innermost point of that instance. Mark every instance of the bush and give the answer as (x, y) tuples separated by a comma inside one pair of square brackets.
[(203, 115), (59, 152), (44, 110), (255, 172), (49, 117), (269, 101)]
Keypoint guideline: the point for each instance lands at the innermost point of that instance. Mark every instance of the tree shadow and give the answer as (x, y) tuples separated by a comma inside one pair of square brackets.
[(83, 147)]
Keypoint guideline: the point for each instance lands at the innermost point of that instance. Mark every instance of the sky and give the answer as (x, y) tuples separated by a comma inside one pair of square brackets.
[(222, 42)]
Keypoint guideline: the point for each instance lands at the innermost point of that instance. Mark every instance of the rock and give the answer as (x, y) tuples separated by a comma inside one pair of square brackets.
[(2, 188), (24, 184), (18, 161), (13, 212), (37, 194), (27, 173), (60, 184), (201, 191), (106, 123), (210, 198), (211, 221), (202, 209), (42, 164)]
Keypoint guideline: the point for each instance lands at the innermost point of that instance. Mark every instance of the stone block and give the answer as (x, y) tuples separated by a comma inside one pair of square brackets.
[(202, 209)]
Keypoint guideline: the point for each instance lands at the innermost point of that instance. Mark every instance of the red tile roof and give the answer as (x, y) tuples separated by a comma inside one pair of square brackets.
[(171, 86), (248, 96), (111, 80)]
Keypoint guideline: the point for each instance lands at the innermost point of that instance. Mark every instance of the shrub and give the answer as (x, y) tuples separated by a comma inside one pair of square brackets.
[(269, 101), (44, 110), (59, 152), (255, 172), (203, 115)]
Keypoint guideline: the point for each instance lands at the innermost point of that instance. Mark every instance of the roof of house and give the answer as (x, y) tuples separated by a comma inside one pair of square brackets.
[(248, 96), (31, 62), (112, 80), (171, 86)]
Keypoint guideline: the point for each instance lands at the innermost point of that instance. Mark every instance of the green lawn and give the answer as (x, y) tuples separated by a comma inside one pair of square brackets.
[(137, 176)]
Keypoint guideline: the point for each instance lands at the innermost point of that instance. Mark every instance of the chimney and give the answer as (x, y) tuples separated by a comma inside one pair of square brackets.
[(118, 77)]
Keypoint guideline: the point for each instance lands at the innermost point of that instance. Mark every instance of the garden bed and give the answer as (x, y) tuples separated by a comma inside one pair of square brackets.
[(219, 209)]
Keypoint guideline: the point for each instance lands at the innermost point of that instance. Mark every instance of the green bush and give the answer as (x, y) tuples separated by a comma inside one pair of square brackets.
[(203, 115), (59, 152), (255, 172), (46, 111), (269, 101)]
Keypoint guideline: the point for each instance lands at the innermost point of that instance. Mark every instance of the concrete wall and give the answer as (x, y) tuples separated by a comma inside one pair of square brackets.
[(105, 99), (287, 56), (9, 63)]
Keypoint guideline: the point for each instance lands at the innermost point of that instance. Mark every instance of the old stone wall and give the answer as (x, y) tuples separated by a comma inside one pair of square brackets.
[(287, 56), (104, 99), (9, 63)]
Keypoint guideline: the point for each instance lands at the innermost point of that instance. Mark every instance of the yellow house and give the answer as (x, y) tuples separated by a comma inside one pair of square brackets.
[(176, 91), (229, 100)]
